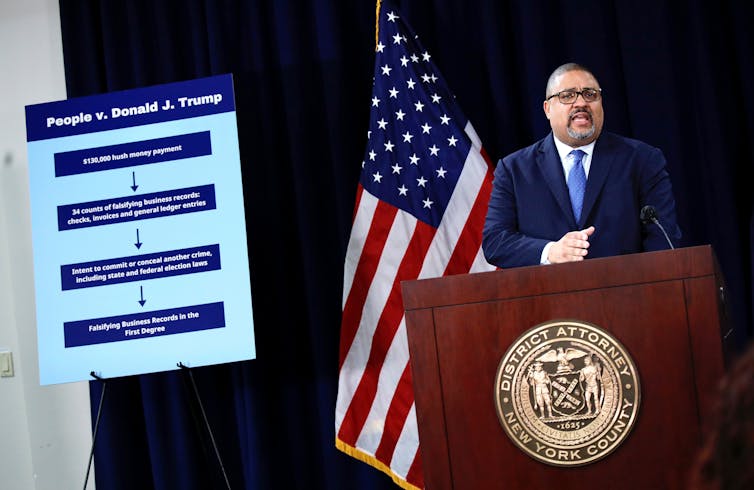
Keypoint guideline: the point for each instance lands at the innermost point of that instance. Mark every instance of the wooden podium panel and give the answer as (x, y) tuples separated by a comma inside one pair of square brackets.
[(662, 306)]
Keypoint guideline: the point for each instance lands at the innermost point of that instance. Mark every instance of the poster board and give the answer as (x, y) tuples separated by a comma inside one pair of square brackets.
[(139, 231)]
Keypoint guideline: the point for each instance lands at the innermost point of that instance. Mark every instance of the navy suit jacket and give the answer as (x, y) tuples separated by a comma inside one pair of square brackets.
[(529, 205)]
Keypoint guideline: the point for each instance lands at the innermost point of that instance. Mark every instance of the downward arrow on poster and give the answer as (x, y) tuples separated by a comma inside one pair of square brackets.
[(138, 242), (133, 178), (142, 301)]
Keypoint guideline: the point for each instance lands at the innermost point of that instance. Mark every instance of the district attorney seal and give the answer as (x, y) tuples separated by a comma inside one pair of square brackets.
[(567, 393)]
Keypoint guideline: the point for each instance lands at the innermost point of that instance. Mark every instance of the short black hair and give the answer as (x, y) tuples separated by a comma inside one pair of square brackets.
[(564, 68)]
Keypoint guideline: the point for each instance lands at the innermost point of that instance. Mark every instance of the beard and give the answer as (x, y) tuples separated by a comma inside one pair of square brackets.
[(580, 135), (584, 134)]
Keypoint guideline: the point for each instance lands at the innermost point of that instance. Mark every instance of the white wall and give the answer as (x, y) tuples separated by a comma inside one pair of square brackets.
[(45, 432)]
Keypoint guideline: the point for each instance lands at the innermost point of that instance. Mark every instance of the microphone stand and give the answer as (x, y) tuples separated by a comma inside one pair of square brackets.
[(649, 214)]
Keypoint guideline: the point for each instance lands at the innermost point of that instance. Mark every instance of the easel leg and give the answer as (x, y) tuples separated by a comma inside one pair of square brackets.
[(206, 422), (96, 424)]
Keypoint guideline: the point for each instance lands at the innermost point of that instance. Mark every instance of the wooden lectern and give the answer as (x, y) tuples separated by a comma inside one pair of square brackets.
[(666, 308)]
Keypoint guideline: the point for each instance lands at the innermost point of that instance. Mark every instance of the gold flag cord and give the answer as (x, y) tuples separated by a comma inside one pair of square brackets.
[(377, 24)]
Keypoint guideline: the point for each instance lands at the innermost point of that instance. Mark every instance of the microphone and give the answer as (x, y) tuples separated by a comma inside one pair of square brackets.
[(648, 215)]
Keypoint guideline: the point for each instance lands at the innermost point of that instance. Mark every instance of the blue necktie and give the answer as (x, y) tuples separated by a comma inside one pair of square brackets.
[(576, 182)]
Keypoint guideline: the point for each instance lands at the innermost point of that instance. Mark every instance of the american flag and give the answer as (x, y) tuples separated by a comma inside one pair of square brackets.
[(420, 208)]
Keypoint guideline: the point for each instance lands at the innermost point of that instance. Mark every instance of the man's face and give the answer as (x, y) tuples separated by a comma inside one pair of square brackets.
[(579, 123)]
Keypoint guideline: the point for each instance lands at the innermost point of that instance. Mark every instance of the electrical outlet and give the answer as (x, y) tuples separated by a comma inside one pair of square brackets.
[(6, 364)]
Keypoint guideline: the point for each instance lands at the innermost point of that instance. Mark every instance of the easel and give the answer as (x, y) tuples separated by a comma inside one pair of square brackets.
[(204, 422)]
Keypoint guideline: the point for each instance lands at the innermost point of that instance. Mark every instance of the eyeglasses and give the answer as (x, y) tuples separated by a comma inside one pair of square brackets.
[(570, 96)]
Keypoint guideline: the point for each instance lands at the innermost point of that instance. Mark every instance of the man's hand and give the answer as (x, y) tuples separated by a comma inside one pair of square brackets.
[(572, 247)]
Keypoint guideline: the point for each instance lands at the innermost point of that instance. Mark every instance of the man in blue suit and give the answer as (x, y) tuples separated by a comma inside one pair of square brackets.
[(578, 192)]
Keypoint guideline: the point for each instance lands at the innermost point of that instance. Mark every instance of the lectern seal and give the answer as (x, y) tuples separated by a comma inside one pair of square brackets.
[(567, 393)]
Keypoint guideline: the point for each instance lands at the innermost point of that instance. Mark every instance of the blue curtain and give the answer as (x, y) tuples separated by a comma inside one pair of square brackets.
[(679, 79)]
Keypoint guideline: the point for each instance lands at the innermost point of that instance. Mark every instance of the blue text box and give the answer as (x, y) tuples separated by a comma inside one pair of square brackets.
[(148, 324), (140, 267), (133, 154), (139, 207)]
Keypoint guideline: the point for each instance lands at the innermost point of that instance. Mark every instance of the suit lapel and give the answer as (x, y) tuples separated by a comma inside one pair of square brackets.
[(549, 164), (602, 161)]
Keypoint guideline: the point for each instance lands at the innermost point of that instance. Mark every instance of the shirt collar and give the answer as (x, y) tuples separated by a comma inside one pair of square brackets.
[(564, 150)]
